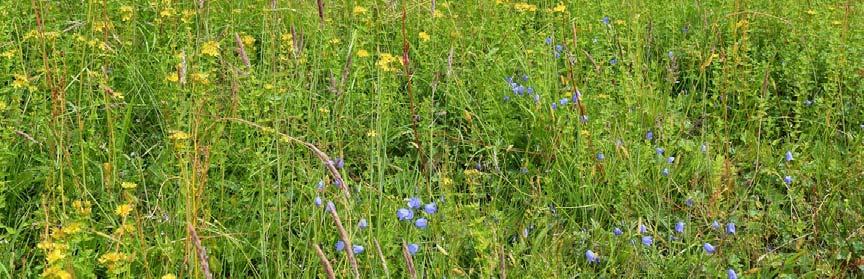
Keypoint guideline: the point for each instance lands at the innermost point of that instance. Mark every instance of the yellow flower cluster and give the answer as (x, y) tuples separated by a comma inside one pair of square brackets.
[(424, 36), (83, 207), (126, 13), (123, 210), (114, 260), (386, 60), (362, 53), (359, 10), (560, 8), (128, 185), (210, 48), (525, 7)]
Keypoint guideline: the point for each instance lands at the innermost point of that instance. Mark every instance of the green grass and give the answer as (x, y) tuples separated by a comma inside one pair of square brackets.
[(98, 93)]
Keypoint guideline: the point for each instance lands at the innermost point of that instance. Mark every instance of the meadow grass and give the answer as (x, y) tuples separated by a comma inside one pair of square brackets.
[(541, 139)]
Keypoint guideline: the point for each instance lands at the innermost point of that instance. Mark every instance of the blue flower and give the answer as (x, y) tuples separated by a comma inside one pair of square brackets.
[(703, 148), (320, 185), (421, 223), (642, 229), (788, 156), (787, 179), (671, 54), (715, 225), (577, 96), (591, 257), (318, 201), (689, 202), (559, 48), (404, 214), (613, 61), (670, 160), (554, 105), (679, 227), (358, 249), (605, 20), (414, 202), (730, 228), (518, 90), (330, 206), (808, 103), (529, 90), (617, 231), (430, 208), (649, 135), (340, 163), (660, 151), (506, 98), (363, 224), (709, 249), (524, 77), (548, 40), (413, 248), (509, 80), (600, 156), (564, 101), (665, 172), (536, 98), (731, 274), (340, 246), (647, 240)]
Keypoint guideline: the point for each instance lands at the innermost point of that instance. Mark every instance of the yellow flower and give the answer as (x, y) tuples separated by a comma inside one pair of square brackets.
[(446, 181), (210, 48), (437, 14), (169, 276), (167, 12), (172, 77), (424, 36), (525, 7), (323, 110), (100, 26), (21, 81), (268, 86), (560, 8), (72, 228), (362, 53), (82, 206), (124, 229), (202, 78), (126, 13), (128, 185), (384, 61), (8, 54), (123, 210), (811, 12), (248, 40), (178, 135), (358, 10), (335, 41), (371, 133), (836, 22), (187, 15), (620, 22), (56, 272), (54, 256), (287, 38)]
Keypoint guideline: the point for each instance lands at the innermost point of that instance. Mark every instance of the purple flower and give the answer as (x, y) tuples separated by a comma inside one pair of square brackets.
[(529, 90), (730, 228), (559, 48), (404, 214), (414, 202), (548, 40), (731, 274), (577, 97), (665, 172), (509, 79), (605, 20), (649, 135), (340, 246), (600, 156), (787, 179), (670, 160), (709, 249), (358, 249), (642, 229), (430, 208), (524, 77), (659, 151), (519, 90), (591, 257), (679, 227), (340, 163), (330, 206), (715, 225), (564, 101), (647, 240), (536, 98), (689, 202), (788, 156), (421, 223), (363, 224), (413, 248), (613, 61), (320, 185), (318, 201), (554, 106), (617, 231)]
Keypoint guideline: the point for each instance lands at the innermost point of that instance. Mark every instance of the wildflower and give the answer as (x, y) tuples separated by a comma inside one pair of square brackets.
[(560, 8), (670, 160), (642, 229), (659, 151), (605, 20), (811, 12), (548, 40), (363, 224), (591, 257), (647, 240), (536, 98), (665, 172), (169, 276), (330, 206), (583, 118), (126, 13), (613, 61), (385, 60), (529, 90), (340, 245), (123, 210), (320, 185), (617, 231), (709, 249), (413, 248), (421, 223), (404, 214), (554, 106), (430, 208), (202, 78), (788, 156), (358, 249), (787, 179), (128, 185), (21, 81), (564, 101), (362, 53), (715, 225), (414, 202), (424, 36), (689, 202), (318, 201), (338, 162), (359, 10), (808, 102), (730, 228), (679, 227), (731, 274), (525, 7), (671, 55), (210, 48), (703, 148), (600, 156), (649, 135)]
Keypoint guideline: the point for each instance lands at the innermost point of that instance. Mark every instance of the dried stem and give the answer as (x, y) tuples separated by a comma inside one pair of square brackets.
[(344, 236), (409, 261), (383, 260), (241, 50), (202, 253), (406, 63), (328, 268)]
